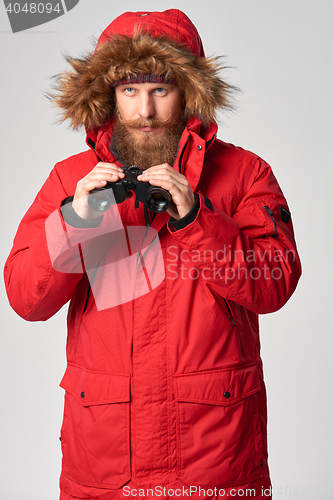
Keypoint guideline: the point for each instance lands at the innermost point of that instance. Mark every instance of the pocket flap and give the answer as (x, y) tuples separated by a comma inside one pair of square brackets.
[(217, 387), (95, 388)]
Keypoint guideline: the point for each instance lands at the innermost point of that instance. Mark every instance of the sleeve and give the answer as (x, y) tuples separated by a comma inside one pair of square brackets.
[(188, 218), (250, 257), (46, 262)]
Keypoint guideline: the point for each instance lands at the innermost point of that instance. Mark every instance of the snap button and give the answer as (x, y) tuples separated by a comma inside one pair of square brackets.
[(227, 394), (82, 394), (199, 147), (261, 463)]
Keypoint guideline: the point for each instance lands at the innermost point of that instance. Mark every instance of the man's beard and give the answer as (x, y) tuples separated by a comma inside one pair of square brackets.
[(146, 151)]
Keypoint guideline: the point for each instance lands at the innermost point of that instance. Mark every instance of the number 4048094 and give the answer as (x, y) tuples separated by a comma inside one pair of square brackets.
[(34, 8)]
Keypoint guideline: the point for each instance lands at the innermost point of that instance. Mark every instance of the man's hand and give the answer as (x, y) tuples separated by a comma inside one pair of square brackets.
[(97, 178), (168, 178)]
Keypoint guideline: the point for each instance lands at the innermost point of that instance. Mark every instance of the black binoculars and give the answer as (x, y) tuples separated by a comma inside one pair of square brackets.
[(155, 198)]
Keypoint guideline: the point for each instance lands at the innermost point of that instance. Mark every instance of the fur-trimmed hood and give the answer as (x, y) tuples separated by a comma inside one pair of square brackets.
[(160, 43)]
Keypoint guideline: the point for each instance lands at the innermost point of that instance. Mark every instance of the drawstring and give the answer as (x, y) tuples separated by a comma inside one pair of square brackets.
[(146, 215), (146, 212)]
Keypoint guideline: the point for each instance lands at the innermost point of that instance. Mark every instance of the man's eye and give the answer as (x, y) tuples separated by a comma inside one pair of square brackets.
[(129, 90), (160, 90)]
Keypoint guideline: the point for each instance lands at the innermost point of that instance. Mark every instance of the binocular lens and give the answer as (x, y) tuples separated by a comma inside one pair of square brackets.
[(157, 201), (99, 201)]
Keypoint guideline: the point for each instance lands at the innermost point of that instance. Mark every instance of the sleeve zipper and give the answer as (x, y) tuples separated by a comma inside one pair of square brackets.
[(271, 216)]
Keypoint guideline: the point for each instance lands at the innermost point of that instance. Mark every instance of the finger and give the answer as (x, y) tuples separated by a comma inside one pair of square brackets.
[(158, 169), (107, 165), (111, 170), (178, 194), (168, 183), (103, 176), (162, 165), (168, 175), (91, 184)]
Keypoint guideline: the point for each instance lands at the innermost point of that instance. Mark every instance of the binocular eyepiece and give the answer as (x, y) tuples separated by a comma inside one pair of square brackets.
[(155, 198)]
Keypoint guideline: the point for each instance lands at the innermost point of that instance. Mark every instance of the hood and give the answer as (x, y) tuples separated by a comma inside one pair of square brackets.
[(160, 43)]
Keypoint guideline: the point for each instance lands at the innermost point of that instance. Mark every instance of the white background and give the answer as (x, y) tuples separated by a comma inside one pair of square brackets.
[(281, 57)]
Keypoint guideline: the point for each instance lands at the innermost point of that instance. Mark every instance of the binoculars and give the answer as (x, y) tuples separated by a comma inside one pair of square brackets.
[(155, 198)]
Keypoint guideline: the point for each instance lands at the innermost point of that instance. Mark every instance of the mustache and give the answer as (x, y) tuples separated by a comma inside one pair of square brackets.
[(139, 123)]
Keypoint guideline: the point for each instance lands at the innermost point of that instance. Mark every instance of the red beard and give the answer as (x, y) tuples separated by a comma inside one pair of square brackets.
[(147, 150)]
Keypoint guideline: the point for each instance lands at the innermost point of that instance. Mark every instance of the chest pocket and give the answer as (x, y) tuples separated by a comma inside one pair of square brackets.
[(95, 429), (219, 441)]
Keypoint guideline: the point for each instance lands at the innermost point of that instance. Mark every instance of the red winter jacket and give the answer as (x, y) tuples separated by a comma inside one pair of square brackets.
[(164, 384), (167, 388)]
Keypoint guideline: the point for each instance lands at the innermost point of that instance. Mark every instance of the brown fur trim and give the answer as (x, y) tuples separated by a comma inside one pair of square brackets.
[(85, 96)]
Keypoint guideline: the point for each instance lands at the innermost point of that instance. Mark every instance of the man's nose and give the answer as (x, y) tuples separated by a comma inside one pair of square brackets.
[(146, 106)]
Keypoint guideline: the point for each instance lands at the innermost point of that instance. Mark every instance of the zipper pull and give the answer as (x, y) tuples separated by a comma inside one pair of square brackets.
[(230, 312)]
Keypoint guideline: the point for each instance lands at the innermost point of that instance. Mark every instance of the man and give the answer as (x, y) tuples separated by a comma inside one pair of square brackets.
[(164, 385)]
